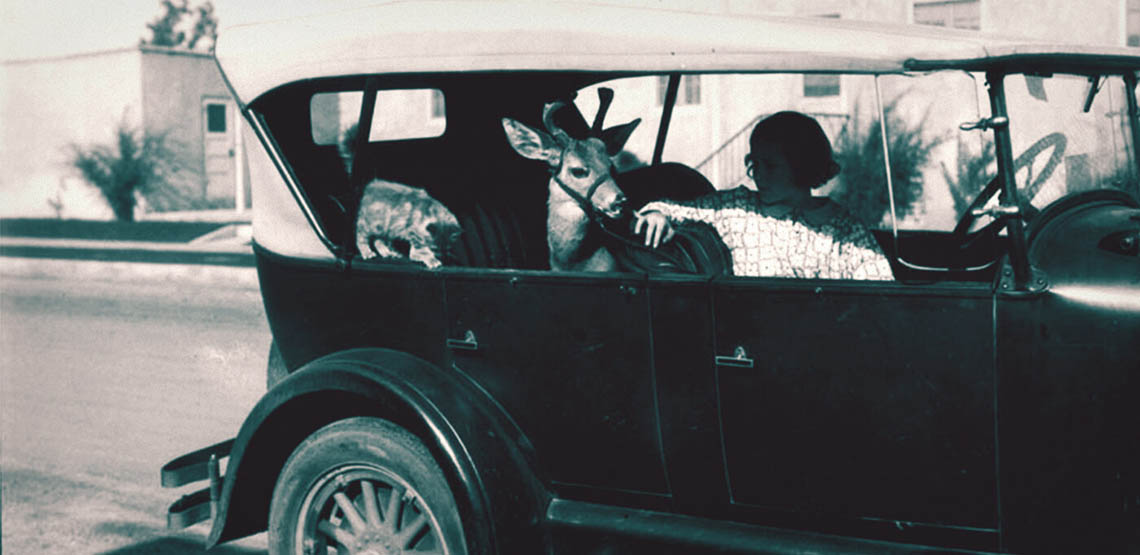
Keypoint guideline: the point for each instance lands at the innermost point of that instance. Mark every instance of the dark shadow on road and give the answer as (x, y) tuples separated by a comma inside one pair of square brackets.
[(127, 529), (178, 545)]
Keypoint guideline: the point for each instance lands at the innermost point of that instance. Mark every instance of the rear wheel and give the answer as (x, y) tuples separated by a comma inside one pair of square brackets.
[(363, 486)]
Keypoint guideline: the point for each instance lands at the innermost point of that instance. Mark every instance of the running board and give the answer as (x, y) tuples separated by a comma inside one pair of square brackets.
[(700, 534)]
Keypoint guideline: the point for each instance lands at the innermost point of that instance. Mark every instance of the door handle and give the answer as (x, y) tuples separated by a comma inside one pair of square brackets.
[(468, 343), (739, 359)]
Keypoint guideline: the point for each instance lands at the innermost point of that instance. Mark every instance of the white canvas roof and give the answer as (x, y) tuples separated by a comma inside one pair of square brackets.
[(447, 36)]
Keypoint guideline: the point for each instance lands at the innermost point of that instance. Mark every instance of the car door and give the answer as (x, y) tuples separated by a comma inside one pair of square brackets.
[(862, 401), (567, 356)]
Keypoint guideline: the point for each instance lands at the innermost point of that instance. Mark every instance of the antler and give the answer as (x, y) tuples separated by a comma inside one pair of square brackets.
[(548, 120), (605, 98)]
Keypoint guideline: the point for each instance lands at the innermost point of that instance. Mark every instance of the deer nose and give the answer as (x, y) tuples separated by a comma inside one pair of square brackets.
[(618, 205)]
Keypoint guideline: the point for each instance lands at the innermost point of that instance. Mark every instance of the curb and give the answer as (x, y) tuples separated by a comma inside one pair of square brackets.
[(219, 264), (223, 253), (103, 270)]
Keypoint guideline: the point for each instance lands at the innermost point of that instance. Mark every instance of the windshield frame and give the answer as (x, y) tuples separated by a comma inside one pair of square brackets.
[(1010, 204), (1133, 118), (1009, 208)]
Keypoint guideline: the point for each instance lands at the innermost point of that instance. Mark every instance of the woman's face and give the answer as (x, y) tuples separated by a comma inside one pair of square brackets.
[(772, 174)]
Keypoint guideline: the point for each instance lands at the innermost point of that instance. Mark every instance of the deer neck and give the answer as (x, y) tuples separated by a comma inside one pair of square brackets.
[(568, 231), (564, 208)]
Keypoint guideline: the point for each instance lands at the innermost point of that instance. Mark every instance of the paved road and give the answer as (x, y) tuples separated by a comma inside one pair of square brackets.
[(100, 384)]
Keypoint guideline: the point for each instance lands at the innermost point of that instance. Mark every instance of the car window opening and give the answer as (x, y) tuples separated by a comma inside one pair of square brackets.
[(478, 219)]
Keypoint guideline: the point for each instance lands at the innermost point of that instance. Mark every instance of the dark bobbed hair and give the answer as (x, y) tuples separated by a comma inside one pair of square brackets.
[(804, 145)]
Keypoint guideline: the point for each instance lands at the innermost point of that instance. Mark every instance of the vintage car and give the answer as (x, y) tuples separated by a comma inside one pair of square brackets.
[(490, 396)]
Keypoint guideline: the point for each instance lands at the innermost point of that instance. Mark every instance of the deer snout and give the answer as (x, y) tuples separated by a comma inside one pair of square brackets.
[(617, 206)]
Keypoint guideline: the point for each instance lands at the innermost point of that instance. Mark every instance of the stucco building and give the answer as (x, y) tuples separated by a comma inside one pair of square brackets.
[(49, 104)]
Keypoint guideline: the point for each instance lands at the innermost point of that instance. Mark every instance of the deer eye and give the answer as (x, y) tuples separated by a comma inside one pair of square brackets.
[(579, 172)]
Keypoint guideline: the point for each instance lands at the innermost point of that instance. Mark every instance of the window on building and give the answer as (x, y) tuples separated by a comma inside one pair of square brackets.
[(962, 14), (816, 85), (819, 85), (438, 109), (691, 87), (216, 118), (689, 91), (1132, 24)]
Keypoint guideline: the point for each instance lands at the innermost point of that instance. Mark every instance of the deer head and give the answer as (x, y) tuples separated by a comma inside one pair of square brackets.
[(581, 169)]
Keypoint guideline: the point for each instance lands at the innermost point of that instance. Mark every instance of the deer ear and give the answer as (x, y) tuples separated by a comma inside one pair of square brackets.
[(530, 142), (615, 137)]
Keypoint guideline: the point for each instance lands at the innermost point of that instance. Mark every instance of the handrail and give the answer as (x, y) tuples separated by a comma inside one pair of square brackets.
[(730, 140)]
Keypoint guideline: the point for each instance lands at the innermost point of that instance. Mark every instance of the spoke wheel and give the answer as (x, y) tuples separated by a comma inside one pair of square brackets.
[(363, 486), (343, 515)]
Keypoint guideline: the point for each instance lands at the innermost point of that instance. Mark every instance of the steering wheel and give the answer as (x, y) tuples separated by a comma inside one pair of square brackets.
[(1055, 140)]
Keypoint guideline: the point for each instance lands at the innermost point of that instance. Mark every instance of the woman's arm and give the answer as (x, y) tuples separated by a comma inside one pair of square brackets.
[(702, 209), (658, 218)]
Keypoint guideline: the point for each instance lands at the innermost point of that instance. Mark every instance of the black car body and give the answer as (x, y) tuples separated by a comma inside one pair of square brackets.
[(986, 400)]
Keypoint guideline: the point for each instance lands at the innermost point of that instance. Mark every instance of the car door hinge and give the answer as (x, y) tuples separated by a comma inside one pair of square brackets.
[(1038, 282)]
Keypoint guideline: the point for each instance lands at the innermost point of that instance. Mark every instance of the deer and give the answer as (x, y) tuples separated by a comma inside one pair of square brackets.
[(581, 184)]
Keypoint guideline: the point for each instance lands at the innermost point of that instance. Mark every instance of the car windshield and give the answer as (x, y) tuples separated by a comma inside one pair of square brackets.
[(1064, 144), (1060, 145)]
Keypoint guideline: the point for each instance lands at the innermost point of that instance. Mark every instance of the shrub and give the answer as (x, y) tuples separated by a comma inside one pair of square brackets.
[(135, 164), (973, 172), (859, 151)]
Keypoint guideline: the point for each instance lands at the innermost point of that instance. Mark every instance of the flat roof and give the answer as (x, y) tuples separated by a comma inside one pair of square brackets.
[(449, 36)]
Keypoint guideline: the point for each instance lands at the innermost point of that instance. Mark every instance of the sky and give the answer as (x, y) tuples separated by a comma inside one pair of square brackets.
[(46, 28)]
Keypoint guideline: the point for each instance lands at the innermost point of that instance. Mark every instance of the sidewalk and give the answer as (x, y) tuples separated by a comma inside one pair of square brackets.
[(223, 256)]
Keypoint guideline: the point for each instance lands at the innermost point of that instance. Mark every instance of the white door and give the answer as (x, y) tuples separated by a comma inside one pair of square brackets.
[(218, 149)]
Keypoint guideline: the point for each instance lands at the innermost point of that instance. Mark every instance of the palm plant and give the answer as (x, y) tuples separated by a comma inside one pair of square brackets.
[(859, 152), (973, 172), (134, 164)]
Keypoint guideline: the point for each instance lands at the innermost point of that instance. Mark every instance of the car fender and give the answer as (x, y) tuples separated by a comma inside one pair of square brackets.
[(482, 453)]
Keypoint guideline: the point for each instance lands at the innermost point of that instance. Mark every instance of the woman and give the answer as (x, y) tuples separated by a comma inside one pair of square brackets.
[(780, 229)]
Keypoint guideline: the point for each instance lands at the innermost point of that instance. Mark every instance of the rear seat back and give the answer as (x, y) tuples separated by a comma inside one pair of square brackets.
[(493, 237)]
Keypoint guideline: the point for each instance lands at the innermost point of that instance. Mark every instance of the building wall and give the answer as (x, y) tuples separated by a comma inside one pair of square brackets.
[(174, 85), (1086, 22), (868, 10), (47, 105)]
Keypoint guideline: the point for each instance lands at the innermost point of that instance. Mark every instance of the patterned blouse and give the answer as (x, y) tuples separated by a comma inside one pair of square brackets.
[(834, 246)]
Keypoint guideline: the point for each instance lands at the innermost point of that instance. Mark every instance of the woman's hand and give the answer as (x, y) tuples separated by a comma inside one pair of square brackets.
[(658, 230)]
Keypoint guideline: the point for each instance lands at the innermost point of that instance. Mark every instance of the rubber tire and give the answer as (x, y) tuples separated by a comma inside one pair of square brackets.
[(353, 441)]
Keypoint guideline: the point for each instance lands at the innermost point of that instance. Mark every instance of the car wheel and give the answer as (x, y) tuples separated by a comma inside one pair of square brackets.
[(363, 485)]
